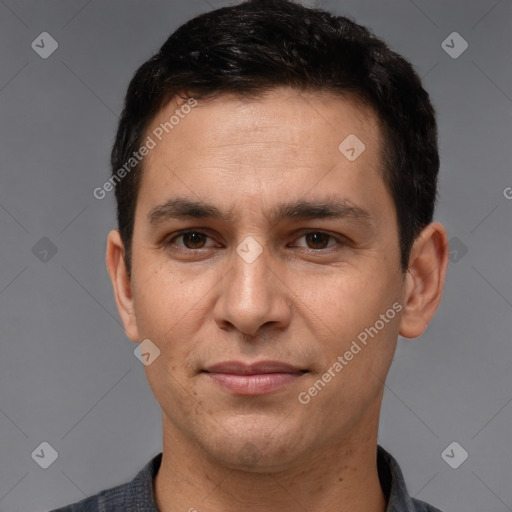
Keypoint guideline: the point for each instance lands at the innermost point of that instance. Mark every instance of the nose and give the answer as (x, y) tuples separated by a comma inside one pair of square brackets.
[(252, 296)]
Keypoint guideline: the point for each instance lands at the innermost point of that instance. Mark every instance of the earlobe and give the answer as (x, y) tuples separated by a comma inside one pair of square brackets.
[(121, 283), (424, 281)]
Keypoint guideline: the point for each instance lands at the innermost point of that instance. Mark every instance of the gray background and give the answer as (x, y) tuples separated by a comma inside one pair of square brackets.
[(68, 375)]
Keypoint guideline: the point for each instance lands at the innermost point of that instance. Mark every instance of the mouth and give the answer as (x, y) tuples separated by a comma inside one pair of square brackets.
[(253, 379)]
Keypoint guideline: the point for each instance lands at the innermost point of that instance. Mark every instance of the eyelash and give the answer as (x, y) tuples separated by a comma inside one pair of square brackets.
[(170, 241)]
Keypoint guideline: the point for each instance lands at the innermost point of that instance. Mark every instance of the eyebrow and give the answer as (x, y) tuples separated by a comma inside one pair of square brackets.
[(181, 208)]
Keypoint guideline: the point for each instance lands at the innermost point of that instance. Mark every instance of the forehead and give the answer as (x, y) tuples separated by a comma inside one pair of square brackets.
[(283, 140), (310, 114)]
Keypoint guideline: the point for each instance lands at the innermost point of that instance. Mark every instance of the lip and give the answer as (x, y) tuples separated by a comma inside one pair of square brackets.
[(239, 368), (253, 379)]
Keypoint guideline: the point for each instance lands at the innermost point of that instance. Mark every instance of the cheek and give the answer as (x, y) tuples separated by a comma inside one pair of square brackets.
[(355, 366), (362, 329), (154, 298), (168, 306), (171, 305), (161, 297), (346, 300)]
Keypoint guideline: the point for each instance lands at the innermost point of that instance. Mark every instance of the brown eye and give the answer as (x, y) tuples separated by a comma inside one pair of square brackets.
[(317, 240), (194, 240), (191, 243)]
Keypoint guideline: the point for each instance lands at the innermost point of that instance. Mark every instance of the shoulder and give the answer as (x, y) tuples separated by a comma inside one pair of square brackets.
[(421, 506), (134, 496), (109, 500), (393, 485)]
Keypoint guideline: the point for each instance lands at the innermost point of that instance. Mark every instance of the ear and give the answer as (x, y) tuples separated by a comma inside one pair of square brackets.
[(121, 282), (424, 280)]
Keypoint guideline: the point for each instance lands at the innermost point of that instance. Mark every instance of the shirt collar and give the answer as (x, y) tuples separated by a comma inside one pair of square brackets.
[(393, 484)]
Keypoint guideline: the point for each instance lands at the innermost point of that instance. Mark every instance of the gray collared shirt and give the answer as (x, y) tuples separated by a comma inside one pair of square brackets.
[(138, 495)]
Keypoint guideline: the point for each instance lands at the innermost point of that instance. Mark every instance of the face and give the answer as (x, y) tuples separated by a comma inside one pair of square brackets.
[(276, 313)]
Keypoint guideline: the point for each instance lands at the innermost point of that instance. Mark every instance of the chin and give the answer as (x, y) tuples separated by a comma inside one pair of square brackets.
[(260, 445)]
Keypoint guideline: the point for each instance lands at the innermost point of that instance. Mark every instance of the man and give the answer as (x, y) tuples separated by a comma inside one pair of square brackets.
[(275, 170)]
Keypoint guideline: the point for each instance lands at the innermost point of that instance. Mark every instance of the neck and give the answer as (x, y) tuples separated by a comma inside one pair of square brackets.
[(341, 478)]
